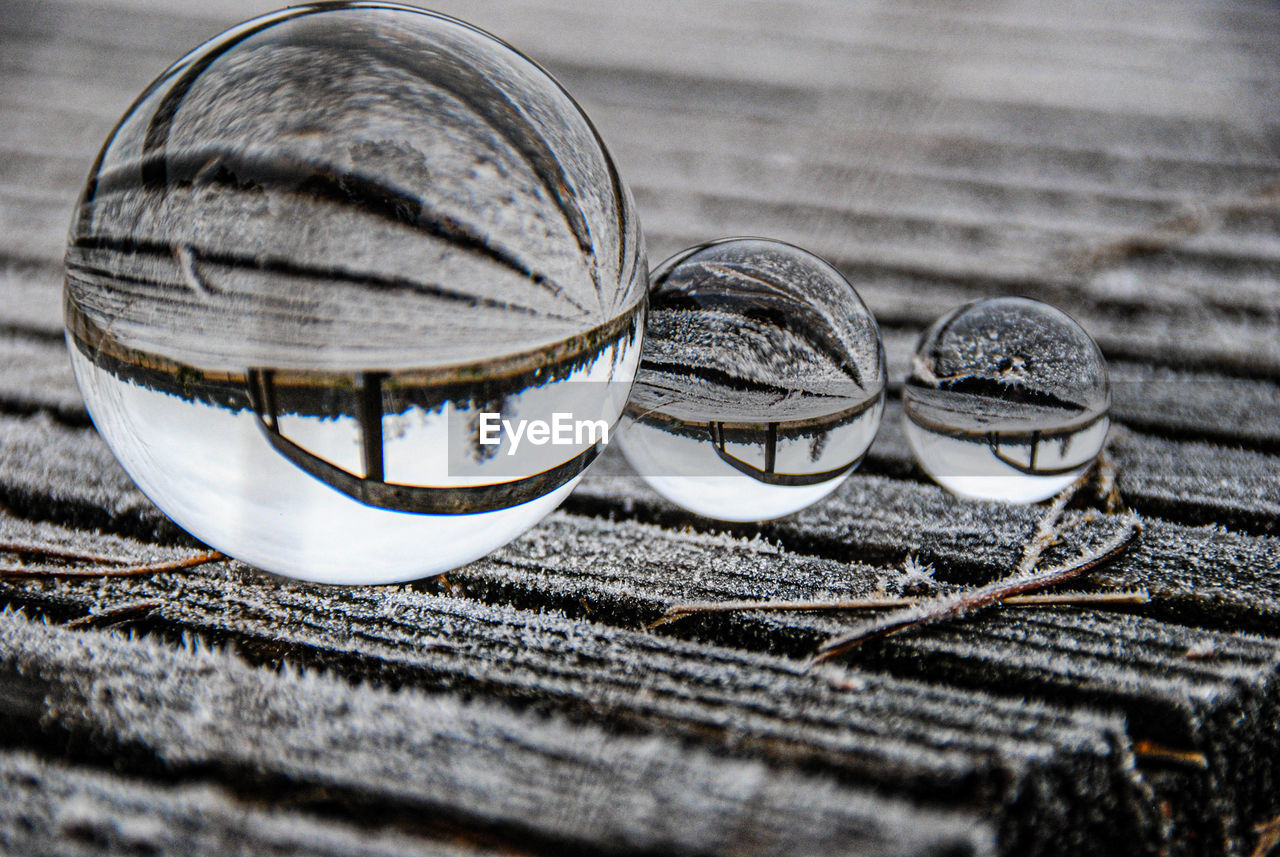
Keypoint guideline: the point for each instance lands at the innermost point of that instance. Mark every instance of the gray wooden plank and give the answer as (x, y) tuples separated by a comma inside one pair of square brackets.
[(823, 28), (1013, 759), (788, 52), (949, 250), (91, 490), (31, 294), (1220, 706), (546, 783), (53, 808), (1182, 313), (624, 574), (67, 474), (1206, 573), (35, 375)]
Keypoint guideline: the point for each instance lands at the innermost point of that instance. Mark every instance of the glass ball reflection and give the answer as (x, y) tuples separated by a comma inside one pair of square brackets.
[(1007, 400), (761, 381), (309, 259)]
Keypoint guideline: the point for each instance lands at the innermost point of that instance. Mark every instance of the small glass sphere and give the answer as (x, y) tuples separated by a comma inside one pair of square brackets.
[(321, 264), (1007, 400), (761, 382)]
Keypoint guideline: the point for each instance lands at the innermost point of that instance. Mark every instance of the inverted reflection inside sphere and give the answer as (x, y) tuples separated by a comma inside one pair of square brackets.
[(311, 258), (761, 383), (1007, 400)]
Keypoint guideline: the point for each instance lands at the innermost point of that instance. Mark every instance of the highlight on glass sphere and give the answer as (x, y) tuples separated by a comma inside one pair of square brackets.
[(318, 264), (761, 381), (1007, 400)]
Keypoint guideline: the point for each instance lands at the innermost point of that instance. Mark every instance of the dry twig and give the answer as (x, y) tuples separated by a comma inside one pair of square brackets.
[(1066, 599), (55, 552), (962, 603), (108, 567), (1268, 837), (1152, 751)]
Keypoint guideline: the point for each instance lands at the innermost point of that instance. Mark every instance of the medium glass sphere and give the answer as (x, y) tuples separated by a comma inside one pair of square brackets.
[(1007, 400), (323, 263), (761, 383)]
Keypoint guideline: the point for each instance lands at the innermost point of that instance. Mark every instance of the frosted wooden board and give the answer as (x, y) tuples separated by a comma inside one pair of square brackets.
[(482, 765), (1120, 164), (51, 807)]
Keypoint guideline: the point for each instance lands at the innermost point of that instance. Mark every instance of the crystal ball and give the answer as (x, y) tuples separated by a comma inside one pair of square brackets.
[(761, 381), (1007, 400), (323, 270)]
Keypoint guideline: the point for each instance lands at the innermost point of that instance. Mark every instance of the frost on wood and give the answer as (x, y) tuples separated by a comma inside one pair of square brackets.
[(481, 762)]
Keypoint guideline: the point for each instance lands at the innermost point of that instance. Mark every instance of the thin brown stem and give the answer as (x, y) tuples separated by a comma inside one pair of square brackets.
[(679, 611), (116, 571), (1083, 599), (962, 603), (1151, 751), (55, 552), (1268, 837)]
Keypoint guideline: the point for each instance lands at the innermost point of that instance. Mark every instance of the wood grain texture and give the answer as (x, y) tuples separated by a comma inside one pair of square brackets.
[(51, 807), (1122, 163), (1016, 760), (1128, 215), (626, 574), (66, 474), (559, 784)]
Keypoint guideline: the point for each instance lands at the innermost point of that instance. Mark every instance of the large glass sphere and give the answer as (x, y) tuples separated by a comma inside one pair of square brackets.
[(761, 384), (321, 266)]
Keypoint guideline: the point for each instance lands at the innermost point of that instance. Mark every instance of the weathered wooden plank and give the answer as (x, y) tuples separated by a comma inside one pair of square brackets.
[(546, 783), (1204, 406), (1242, 343), (1219, 705), (819, 17), (1167, 104), (35, 375), (821, 28), (1013, 759), (66, 474), (31, 297), (1202, 572), (54, 808), (730, 145), (763, 54), (736, 151)]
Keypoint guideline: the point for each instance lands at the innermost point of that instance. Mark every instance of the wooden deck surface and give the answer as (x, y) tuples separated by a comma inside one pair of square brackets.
[(1121, 161)]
